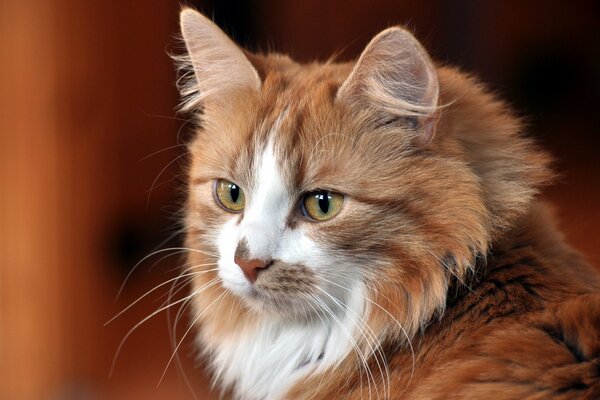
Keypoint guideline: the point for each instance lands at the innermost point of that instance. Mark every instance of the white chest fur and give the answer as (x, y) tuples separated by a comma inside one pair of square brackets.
[(265, 362)]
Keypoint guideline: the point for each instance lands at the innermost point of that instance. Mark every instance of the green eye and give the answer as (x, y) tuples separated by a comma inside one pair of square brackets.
[(322, 205), (229, 195)]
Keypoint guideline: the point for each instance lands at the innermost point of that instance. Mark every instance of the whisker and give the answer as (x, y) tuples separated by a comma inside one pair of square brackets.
[(165, 257), (173, 338), (366, 362), (392, 317), (359, 352), (231, 308), (155, 288), (185, 334), (210, 283), (179, 249), (163, 150), (176, 287), (185, 122), (153, 186), (173, 328), (166, 117), (364, 329), (179, 286), (188, 266), (318, 314)]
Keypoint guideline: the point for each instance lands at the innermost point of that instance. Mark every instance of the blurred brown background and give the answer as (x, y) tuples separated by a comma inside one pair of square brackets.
[(91, 147)]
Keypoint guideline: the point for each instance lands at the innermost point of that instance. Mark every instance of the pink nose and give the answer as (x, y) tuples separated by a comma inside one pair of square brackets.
[(251, 267)]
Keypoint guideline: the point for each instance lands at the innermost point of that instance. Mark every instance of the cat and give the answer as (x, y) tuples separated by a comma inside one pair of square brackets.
[(372, 230)]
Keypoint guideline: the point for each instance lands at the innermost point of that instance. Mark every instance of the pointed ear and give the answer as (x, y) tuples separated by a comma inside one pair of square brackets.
[(395, 76), (219, 66)]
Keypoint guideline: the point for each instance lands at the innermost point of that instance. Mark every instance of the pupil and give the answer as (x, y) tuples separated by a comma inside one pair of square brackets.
[(323, 203), (234, 192)]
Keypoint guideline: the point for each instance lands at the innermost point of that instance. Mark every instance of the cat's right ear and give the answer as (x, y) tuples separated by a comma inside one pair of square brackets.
[(220, 68), (395, 77)]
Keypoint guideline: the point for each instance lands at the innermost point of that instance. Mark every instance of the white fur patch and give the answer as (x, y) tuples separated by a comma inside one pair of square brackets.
[(262, 226), (267, 209), (265, 362)]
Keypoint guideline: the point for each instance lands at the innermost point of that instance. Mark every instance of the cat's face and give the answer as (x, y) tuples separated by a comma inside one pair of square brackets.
[(299, 200), (304, 185), (312, 186)]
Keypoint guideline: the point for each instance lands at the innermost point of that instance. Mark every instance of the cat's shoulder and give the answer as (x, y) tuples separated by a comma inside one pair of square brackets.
[(554, 354), (527, 327)]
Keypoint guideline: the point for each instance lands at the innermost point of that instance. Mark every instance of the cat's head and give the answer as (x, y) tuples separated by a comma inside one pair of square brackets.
[(312, 186)]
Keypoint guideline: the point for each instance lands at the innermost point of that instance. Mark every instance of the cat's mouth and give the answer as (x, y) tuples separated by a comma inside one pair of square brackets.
[(283, 288), (287, 290), (285, 279), (306, 303)]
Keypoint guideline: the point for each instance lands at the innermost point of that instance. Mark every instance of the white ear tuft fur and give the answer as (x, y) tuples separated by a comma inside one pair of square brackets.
[(219, 65), (394, 74)]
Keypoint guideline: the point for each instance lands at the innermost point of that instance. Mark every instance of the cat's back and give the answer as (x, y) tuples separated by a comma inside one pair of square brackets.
[(526, 328), (548, 353)]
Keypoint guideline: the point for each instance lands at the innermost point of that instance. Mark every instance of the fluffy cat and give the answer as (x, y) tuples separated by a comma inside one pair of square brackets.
[(370, 230)]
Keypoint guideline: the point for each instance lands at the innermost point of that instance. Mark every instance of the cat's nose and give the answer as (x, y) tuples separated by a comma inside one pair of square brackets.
[(251, 267)]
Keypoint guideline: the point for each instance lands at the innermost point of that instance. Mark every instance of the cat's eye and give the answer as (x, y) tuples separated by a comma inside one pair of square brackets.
[(322, 205), (229, 195)]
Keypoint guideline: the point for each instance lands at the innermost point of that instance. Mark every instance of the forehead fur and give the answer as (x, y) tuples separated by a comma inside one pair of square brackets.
[(320, 143), (299, 100)]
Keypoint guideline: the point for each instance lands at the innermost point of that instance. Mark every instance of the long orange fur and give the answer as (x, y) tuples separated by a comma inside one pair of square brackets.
[(490, 299)]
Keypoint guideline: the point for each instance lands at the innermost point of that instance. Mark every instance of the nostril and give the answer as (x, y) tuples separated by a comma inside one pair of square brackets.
[(250, 268)]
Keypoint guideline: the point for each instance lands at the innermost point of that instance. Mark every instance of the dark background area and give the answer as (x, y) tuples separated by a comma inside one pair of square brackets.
[(92, 153)]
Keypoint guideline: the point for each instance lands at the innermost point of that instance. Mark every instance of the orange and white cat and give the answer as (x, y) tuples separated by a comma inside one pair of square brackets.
[(370, 230)]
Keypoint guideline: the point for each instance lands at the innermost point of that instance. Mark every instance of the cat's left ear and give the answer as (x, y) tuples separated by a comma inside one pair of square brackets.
[(395, 77), (220, 66)]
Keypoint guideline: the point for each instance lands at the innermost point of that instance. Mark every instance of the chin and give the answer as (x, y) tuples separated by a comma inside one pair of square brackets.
[(280, 305), (276, 305)]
